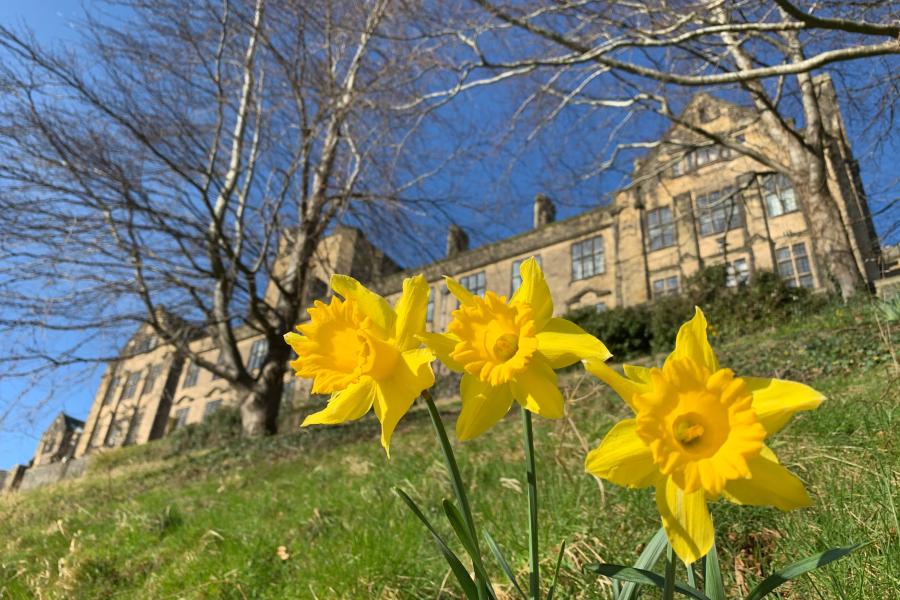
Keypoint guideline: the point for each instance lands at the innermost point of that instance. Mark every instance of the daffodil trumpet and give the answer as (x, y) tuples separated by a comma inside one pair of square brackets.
[(698, 434), (365, 353), (508, 351)]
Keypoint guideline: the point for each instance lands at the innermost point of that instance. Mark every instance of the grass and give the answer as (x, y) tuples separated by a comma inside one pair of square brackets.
[(156, 522)]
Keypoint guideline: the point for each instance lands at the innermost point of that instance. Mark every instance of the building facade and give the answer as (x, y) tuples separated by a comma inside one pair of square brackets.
[(59, 440), (691, 204)]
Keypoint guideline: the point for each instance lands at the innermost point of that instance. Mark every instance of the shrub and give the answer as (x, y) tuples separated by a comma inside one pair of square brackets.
[(666, 316), (652, 327), (625, 331), (216, 429)]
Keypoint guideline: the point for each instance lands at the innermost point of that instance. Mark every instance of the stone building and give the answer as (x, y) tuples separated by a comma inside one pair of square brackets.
[(691, 203), (152, 390), (59, 440), (132, 404)]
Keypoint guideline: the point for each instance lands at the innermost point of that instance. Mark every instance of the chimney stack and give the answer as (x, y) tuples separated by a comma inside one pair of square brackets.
[(544, 211), (457, 240)]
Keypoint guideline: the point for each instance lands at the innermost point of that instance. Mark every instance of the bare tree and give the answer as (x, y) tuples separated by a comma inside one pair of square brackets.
[(627, 58), (191, 156)]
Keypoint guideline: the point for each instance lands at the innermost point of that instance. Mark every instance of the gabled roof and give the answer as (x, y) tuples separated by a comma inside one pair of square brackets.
[(71, 422), (679, 135)]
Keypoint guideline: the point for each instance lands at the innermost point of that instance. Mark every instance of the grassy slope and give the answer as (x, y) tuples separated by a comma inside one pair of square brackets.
[(207, 524)]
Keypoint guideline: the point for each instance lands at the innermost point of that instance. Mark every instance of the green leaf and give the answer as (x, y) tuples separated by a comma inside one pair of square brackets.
[(562, 550), (498, 554), (654, 549), (643, 577), (799, 568), (714, 586), (690, 575), (459, 526), (462, 532), (669, 584), (459, 571)]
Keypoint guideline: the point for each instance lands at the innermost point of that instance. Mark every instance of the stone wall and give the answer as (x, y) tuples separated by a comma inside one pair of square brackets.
[(13, 477), (42, 475)]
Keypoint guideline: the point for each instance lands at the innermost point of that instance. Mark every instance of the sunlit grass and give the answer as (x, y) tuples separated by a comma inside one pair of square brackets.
[(208, 524)]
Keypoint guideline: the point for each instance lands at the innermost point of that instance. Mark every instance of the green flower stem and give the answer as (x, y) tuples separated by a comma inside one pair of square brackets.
[(669, 589), (458, 488), (534, 559)]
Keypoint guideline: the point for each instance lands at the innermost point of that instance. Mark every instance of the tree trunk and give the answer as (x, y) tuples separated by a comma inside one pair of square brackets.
[(838, 271), (262, 403)]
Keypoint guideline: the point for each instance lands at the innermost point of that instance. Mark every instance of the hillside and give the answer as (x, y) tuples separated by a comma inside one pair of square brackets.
[(155, 522)]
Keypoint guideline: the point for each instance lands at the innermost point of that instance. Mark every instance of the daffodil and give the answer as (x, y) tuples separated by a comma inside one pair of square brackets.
[(509, 350), (365, 353), (699, 434)]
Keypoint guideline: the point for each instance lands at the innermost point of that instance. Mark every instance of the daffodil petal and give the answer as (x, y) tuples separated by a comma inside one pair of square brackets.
[(775, 401), (395, 395), (636, 373), (624, 387), (347, 405), (535, 292), (410, 310), (462, 294), (294, 340), (564, 343), (535, 389), (623, 458), (442, 344), (686, 520), (770, 484), (482, 406), (692, 342), (372, 305)]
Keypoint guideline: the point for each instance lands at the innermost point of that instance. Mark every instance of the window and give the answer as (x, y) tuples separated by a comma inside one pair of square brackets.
[(516, 273), (181, 416), (190, 377), (707, 154), (131, 385), (665, 286), (475, 283), (152, 376), (145, 343), (778, 194), (793, 266), (429, 310), (114, 435), (211, 407), (219, 362), (719, 211), (587, 258), (660, 228), (737, 273), (257, 354), (134, 427), (600, 307), (287, 392), (111, 390)]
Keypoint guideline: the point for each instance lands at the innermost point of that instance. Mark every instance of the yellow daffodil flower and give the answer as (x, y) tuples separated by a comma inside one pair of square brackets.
[(365, 353), (509, 350), (698, 434)]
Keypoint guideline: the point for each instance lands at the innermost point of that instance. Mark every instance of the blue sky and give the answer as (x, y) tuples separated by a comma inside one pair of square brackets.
[(52, 21), (536, 167)]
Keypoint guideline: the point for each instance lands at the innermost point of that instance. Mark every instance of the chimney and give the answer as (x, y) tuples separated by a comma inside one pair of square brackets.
[(457, 240), (544, 211)]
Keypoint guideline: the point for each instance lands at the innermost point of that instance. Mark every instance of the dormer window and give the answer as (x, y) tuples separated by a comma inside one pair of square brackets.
[(706, 113)]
